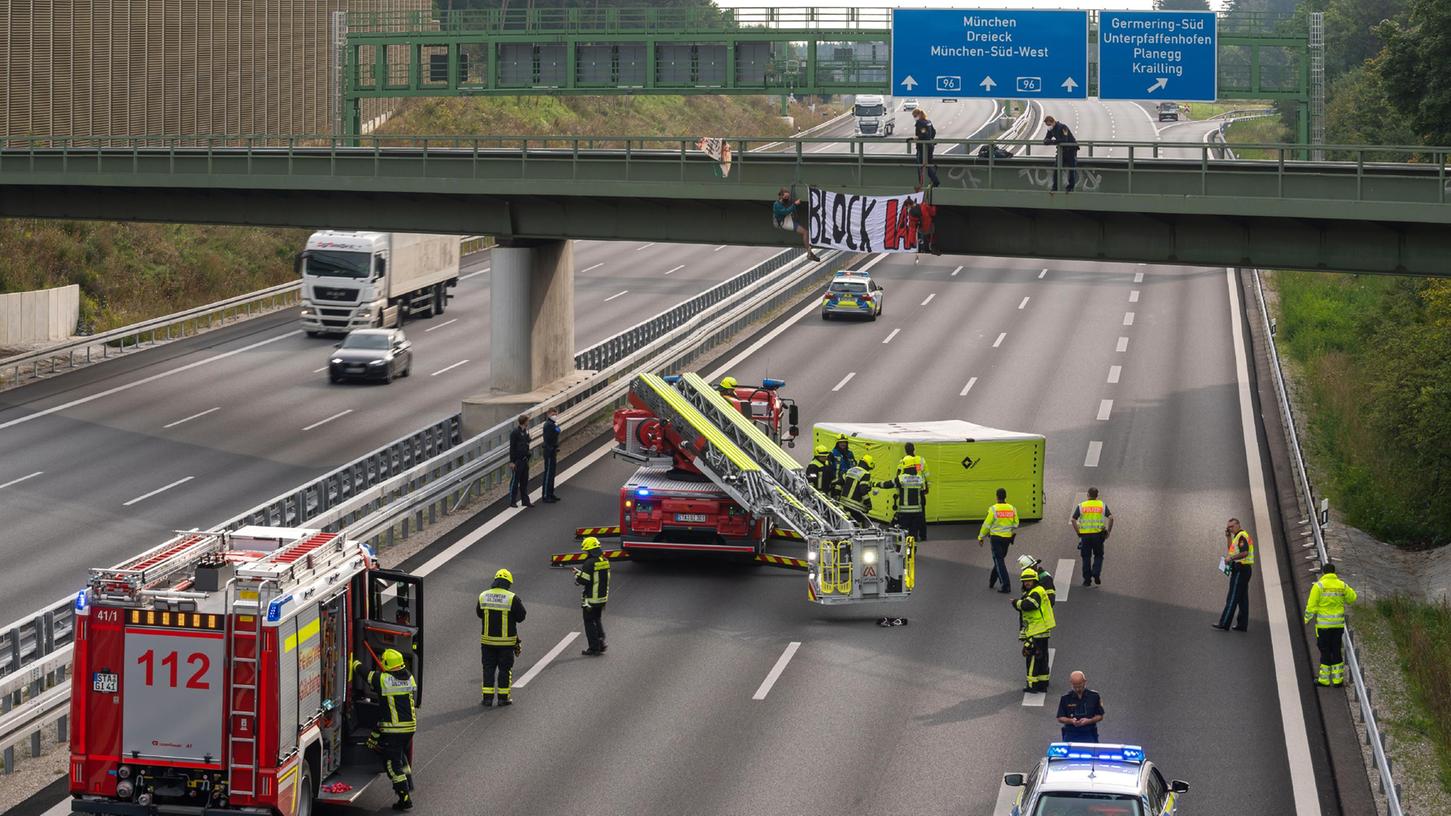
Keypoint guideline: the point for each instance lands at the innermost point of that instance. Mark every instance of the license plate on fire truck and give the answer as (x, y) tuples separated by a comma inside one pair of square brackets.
[(103, 682), (690, 518)]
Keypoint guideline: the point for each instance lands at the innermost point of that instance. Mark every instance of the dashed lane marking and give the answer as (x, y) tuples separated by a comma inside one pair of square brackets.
[(1095, 450), (890, 336), (676, 269), (1024, 304), (207, 411), (1123, 345), (644, 246), (1105, 407), (535, 669), (473, 274), (968, 387), (955, 271), (441, 325), (719, 248), (145, 496), (21, 479), (999, 341), (929, 298), (595, 266), (1064, 578), (1114, 372), (776, 670), (329, 419), (1128, 318), (1139, 276), (448, 368), (620, 293), (1042, 274), (1133, 296), (844, 381)]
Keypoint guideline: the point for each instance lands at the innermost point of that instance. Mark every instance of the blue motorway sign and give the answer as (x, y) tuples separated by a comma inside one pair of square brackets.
[(995, 54), (1156, 55)]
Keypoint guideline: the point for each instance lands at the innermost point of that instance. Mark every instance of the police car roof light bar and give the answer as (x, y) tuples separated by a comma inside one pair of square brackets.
[(1090, 751)]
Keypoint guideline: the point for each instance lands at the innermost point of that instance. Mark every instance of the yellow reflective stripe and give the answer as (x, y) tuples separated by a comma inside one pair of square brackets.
[(688, 414), (749, 428)]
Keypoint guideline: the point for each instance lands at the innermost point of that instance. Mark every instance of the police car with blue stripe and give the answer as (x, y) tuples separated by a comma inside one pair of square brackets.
[(1087, 779), (852, 293)]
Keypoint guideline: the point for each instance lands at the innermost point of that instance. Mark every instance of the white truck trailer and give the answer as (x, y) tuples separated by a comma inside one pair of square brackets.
[(354, 280)]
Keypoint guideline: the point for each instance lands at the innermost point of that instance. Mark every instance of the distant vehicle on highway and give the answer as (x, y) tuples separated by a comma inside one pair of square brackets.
[(872, 116), (853, 293), (909, 104), (354, 280), (371, 354), (1168, 112), (1098, 779)]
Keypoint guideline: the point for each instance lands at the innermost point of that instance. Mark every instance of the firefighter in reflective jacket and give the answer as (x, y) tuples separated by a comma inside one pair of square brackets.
[(1035, 612), (501, 612), (856, 489), (595, 579), (1045, 578), (392, 738), (911, 487), (1328, 598), (821, 471)]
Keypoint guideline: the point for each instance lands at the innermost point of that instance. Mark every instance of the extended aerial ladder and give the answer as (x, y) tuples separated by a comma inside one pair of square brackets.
[(847, 562)]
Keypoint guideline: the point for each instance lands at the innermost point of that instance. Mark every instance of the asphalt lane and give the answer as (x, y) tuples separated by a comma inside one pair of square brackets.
[(244, 413)]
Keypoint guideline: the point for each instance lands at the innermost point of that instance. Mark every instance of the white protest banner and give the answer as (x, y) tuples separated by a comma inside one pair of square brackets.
[(718, 149), (858, 223)]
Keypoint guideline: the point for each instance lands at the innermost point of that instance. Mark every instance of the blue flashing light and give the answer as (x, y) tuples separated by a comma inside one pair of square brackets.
[(643, 491), (671, 378), (82, 602), (771, 383), (1107, 753), (274, 609)]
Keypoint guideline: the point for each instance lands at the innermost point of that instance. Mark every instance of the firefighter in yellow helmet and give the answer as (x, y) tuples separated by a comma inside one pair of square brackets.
[(1329, 597), (500, 611), (595, 579), (728, 386), (392, 738), (1035, 612), (821, 471), (857, 487)]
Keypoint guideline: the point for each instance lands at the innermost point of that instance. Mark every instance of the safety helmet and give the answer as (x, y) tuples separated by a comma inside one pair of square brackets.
[(1027, 561), (728, 382), (590, 543), (1029, 574), (505, 574), (392, 660), (822, 450), (867, 461)]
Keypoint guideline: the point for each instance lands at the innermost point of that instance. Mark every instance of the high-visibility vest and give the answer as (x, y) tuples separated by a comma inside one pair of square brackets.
[(598, 590), (1328, 598), (1001, 520), (821, 472), (857, 485), (1038, 622), (910, 487), (398, 699), (1249, 557), (497, 603), (1090, 517)]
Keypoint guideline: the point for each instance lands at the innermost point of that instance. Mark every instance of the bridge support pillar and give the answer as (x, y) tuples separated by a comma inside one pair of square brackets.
[(531, 330)]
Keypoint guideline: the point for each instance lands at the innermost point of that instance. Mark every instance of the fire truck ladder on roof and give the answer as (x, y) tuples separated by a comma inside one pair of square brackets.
[(125, 581), (763, 479)]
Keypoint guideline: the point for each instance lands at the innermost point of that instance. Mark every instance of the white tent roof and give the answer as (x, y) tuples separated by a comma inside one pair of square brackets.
[(943, 430)]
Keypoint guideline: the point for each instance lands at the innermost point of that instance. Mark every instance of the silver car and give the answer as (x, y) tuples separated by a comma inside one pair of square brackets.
[(1090, 779), (371, 354)]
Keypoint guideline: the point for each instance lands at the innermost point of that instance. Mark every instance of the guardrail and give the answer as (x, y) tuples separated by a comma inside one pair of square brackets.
[(424, 458), (33, 700)]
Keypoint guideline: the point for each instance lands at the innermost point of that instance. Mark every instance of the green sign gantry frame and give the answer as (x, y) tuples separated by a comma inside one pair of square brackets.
[(807, 51)]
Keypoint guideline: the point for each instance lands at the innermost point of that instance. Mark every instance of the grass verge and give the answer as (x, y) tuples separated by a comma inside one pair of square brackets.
[(1422, 635), (1266, 130)]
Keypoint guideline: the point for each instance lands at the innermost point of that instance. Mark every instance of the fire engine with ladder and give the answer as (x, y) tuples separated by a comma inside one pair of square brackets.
[(714, 478), (211, 674)]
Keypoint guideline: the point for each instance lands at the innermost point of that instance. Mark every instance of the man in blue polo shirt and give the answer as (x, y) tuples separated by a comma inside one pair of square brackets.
[(1080, 711)]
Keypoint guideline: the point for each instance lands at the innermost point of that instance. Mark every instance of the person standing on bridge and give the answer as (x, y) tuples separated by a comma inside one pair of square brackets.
[(1080, 710), (1328, 598), (1239, 557), (924, 133), (1035, 616), (550, 450), (1059, 134), (1092, 521), (500, 611), (783, 213), (519, 463), (1001, 523), (595, 578)]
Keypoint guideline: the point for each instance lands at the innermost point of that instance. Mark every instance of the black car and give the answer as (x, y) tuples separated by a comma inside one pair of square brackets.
[(371, 354)]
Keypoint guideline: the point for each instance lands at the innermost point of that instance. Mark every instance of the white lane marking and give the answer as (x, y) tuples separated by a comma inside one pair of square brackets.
[(776, 670), (441, 325), (1024, 304), (1036, 699), (676, 269), (62, 809), (544, 661), (955, 271), (1287, 677), (207, 411), (966, 388), (1063, 579), (1139, 276), (329, 419), (1105, 407), (644, 246), (1133, 296), (473, 274), (620, 293), (21, 479), (145, 496), (595, 266), (1114, 372), (448, 368), (1128, 318), (1004, 806), (1042, 274), (1095, 449), (824, 147), (719, 248), (319, 370), (999, 341), (929, 298), (890, 336), (1123, 345), (844, 381), (144, 380)]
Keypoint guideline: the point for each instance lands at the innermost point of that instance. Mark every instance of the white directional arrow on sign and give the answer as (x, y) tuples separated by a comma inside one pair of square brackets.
[(987, 83), (909, 82), (1069, 84), (1158, 83)]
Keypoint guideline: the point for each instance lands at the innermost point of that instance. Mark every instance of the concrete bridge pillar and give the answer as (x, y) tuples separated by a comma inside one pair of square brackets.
[(531, 330)]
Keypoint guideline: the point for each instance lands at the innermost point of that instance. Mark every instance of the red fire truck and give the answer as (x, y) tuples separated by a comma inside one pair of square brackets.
[(668, 504), (211, 673)]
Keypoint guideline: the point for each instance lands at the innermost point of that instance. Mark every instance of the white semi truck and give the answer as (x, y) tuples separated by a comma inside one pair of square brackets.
[(354, 280), (874, 115)]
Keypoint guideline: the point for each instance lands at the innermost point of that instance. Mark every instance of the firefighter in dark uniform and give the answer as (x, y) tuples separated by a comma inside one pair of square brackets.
[(392, 737), (501, 612), (1035, 613), (911, 487), (856, 489), (595, 578), (821, 471)]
